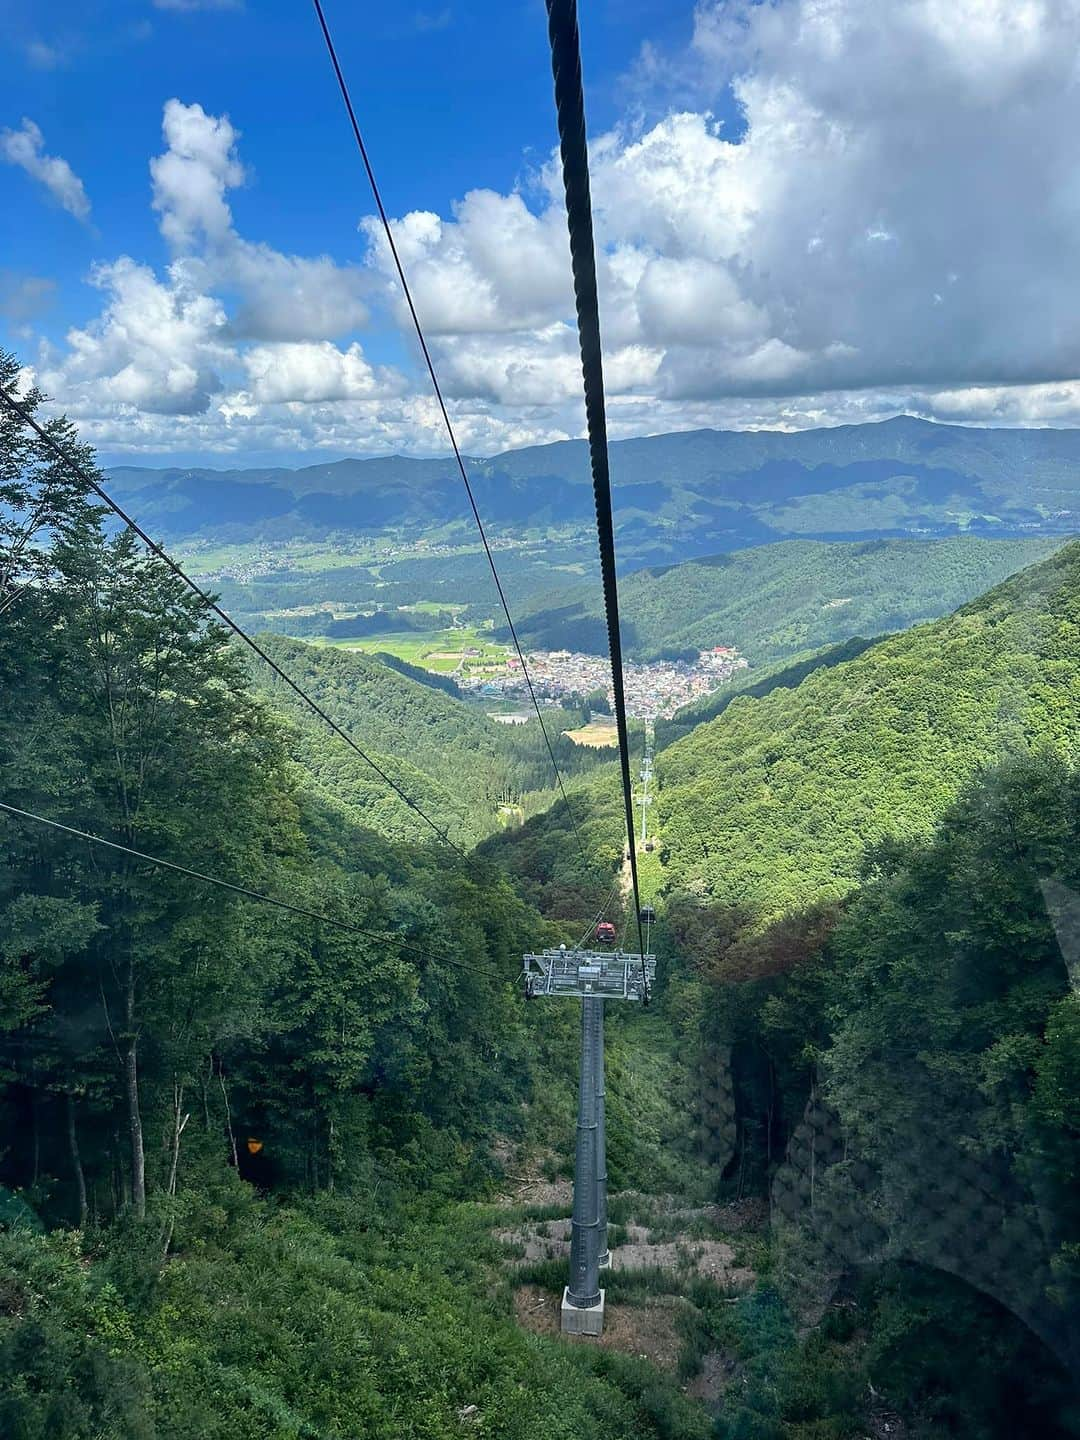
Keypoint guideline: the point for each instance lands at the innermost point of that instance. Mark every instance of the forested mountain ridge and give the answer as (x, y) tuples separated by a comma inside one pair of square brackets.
[(723, 489), (772, 601), (446, 755), (247, 1182), (783, 675), (775, 803), (217, 1115)]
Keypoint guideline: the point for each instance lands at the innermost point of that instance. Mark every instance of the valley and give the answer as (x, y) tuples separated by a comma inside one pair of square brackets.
[(291, 1155), (540, 721)]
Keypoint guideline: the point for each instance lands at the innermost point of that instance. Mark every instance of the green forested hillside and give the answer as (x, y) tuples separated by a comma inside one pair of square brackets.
[(783, 674), (774, 600), (232, 1135), (250, 1157), (905, 1073), (446, 755), (775, 803)]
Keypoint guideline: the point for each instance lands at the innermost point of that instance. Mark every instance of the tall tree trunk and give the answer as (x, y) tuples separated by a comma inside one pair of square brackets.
[(131, 1087), (228, 1116), (76, 1158), (179, 1121), (135, 1130)]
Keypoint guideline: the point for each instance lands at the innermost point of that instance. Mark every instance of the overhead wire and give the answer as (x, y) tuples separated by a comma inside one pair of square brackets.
[(590, 928), (570, 112), (87, 479), (244, 890), (437, 388)]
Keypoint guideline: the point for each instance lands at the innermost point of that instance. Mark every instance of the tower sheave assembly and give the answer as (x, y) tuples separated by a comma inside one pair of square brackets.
[(592, 976)]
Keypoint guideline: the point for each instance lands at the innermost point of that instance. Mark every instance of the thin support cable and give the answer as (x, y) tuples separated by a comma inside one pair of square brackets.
[(570, 109), (87, 479), (599, 914), (437, 388), (244, 890)]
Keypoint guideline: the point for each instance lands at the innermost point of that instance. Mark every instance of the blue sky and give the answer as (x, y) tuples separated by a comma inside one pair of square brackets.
[(450, 98), (807, 213), (449, 101)]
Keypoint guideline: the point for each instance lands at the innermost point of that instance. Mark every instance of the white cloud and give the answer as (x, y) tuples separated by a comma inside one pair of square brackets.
[(25, 147), (193, 175), (281, 297), (289, 297), (899, 212), (233, 340), (495, 266), (43, 56), (888, 220), (313, 372), (155, 347)]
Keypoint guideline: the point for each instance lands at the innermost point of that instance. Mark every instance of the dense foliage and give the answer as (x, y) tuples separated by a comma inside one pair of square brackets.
[(783, 675), (869, 886), (237, 1140), (775, 600), (933, 1015), (775, 803), (169, 1049), (447, 756)]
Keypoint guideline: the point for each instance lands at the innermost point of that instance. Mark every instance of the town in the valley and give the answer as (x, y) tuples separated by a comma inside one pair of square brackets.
[(653, 689)]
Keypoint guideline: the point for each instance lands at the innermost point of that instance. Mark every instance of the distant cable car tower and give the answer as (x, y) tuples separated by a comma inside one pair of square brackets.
[(592, 976)]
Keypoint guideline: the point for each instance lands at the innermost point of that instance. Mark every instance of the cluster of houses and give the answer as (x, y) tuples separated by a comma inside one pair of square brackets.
[(658, 688)]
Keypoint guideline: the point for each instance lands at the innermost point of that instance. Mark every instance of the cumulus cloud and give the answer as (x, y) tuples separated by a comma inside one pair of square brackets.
[(193, 175), (25, 147), (496, 266), (232, 332), (281, 297), (856, 211), (154, 346), (897, 209), (314, 372)]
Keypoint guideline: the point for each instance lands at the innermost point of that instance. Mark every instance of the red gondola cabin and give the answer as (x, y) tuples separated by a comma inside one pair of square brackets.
[(605, 933)]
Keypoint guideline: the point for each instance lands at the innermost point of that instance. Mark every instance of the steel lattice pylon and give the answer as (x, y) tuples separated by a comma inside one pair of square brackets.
[(592, 976)]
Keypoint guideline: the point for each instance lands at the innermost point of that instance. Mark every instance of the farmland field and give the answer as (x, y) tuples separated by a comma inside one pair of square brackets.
[(597, 734), (440, 650)]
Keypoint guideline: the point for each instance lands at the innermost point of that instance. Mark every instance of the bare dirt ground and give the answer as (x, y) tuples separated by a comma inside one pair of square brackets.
[(692, 1243), (535, 1191), (525, 1181), (713, 1259), (647, 1330), (716, 1374)]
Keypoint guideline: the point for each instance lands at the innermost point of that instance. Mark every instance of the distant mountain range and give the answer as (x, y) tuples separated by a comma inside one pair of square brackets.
[(676, 495)]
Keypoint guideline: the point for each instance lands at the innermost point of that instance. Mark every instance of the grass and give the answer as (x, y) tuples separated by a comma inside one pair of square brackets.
[(432, 607), (439, 650), (308, 558), (597, 734)]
